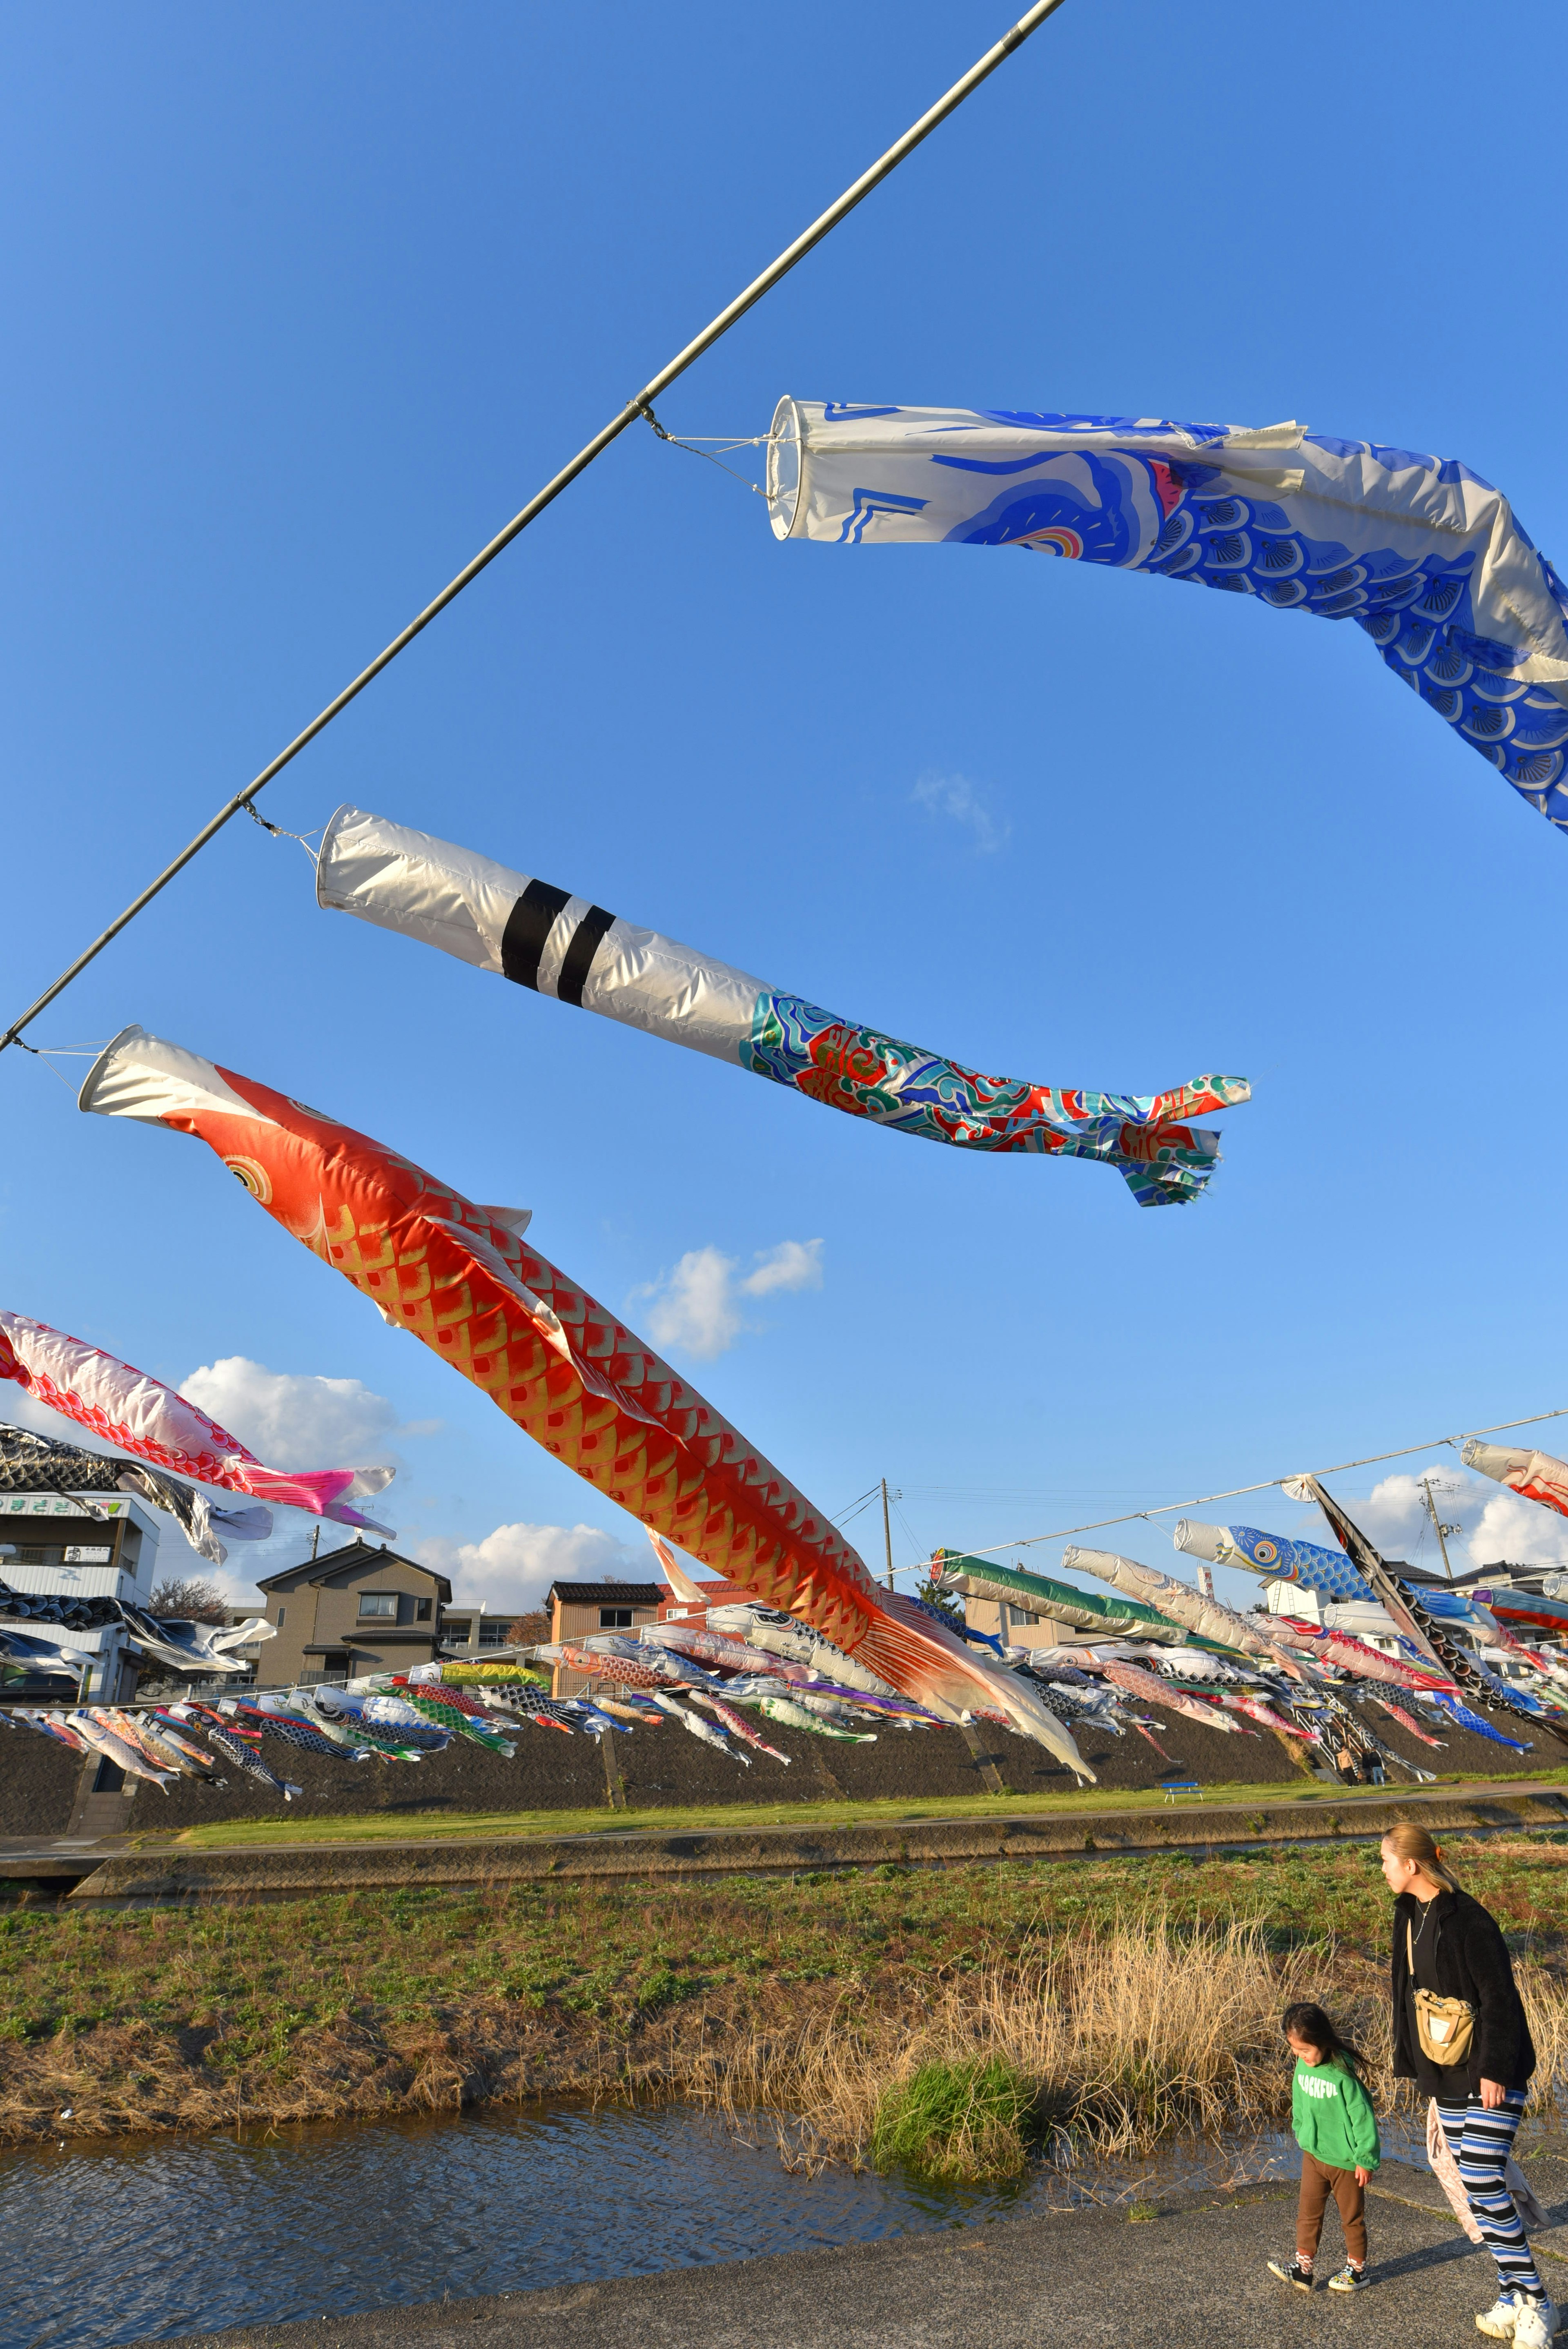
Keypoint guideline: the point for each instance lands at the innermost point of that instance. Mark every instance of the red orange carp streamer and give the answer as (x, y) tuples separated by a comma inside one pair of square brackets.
[(459, 1279)]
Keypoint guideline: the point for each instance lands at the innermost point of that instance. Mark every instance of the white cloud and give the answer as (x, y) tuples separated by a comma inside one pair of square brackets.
[(1495, 1526), (292, 1420), (512, 1567), (955, 797), (697, 1308), (1516, 1532)]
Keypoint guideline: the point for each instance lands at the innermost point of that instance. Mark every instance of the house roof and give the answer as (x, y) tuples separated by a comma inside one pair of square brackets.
[(606, 1594), (353, 1557)]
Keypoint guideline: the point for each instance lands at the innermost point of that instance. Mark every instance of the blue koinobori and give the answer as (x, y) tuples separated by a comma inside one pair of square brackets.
[(1420, 552)]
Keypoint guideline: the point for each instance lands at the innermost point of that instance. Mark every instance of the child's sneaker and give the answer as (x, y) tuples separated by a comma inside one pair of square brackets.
[(1350, 2279), (1534, 2322), (1296, 2271), (1498, 2320)]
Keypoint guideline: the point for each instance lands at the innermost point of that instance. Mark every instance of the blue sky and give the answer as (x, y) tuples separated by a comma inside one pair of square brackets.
[(303, 303)]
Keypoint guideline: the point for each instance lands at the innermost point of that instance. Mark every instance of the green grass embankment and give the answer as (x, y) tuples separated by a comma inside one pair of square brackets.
[(381, 1827)]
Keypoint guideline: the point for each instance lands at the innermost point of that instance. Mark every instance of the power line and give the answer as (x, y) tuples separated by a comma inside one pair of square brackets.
[(641, 405), (1234, 1492)]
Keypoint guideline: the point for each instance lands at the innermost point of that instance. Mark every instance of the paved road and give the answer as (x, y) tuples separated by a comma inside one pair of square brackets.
[(1192, 2275)]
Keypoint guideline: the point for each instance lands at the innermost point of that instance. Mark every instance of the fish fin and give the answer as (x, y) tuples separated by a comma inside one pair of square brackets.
[(921, 1659), (680, 1582), (515, 1220)]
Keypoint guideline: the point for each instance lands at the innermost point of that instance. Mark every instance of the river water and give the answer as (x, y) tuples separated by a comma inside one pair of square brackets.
[(141, 2239)]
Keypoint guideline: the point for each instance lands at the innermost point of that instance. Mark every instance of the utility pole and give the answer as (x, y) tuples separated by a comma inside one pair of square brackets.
[(887, 1533), (1438, 1523), (316, 1538)]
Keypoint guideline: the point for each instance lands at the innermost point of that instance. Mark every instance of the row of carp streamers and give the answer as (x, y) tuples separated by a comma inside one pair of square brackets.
[(1423, 556), (742, 1659), (1231, 1673), (460, 1278)]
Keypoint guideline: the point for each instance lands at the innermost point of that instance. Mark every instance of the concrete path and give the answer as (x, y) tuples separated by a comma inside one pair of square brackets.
[(1194, 2274)]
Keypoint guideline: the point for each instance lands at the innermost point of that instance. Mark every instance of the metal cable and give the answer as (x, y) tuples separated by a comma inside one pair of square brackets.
[(1232, 1491), (637, 405)]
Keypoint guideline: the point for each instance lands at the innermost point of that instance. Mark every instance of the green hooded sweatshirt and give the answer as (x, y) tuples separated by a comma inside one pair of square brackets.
[(1332, 2116)]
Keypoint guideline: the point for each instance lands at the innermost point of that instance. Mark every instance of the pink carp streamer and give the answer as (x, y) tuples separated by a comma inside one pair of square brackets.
[(1405, 1721), (144, 1417), (1353, 1655), (1155, 1691)]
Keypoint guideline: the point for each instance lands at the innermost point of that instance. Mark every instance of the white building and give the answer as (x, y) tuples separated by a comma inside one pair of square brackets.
[(85, 1546)]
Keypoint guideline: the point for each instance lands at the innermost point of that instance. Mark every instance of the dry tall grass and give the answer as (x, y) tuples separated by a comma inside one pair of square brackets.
[(1104, 2044), (951, 2023)]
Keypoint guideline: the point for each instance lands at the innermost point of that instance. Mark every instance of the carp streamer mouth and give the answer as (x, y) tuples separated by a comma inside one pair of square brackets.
[(253, 1176)]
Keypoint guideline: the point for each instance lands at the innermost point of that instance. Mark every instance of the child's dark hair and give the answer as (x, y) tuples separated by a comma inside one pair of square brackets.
[(1305, 2020)]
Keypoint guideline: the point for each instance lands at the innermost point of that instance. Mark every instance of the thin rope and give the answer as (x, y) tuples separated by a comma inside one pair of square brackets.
[(282, 831), (693, 450), (1234, 1492), (823, 225)]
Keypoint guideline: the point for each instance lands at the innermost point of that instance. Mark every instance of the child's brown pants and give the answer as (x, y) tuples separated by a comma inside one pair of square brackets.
[(1318, 2181)]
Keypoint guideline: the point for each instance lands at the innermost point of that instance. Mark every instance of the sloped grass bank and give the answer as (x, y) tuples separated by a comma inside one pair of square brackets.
[(1123, 1997), (287, 1830)]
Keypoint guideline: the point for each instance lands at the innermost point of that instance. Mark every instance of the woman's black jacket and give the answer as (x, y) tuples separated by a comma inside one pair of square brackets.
[(1463, 1954)]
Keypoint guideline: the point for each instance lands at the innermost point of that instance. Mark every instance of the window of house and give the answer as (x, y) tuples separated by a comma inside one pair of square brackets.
[(493, 1631), (379, 1602), (614, 1619), (454, 1629), (421, 1610), (282, 1612)]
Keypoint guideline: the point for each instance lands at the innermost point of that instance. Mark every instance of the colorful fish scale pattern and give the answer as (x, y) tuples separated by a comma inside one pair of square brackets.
[(1308, 1564), (240, 1748), (1218, 533), (474, 1724), (455, 1699), (893, 1083), (545, 1712), (1418, 614), (670, 1459), (299, 1733)]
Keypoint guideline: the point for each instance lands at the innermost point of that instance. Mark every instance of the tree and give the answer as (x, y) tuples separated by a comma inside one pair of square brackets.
[(530, 1630), (191, 1600), (944, 1602)]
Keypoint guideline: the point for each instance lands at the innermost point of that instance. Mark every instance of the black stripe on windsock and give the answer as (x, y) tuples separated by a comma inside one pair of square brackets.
[(578, 961), (528, 926)]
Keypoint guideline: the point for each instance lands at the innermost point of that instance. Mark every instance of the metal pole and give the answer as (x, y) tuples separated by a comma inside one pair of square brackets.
[(1438, 1523), (821, 227), (887, 1534)]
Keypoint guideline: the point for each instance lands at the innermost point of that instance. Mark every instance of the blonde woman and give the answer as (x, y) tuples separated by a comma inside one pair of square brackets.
[(1447, 1944)]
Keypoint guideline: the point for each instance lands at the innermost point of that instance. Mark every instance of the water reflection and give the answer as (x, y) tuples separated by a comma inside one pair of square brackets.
[(137, 2240)]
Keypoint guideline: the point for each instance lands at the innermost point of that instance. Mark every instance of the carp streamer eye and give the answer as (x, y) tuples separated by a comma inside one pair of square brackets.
[(254, 1176)]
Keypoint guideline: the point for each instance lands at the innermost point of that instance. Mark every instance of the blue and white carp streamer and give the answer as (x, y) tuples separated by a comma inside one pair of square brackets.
[(1419, 551)]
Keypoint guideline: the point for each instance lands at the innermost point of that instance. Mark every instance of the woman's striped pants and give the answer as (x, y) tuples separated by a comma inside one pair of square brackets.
[(1480, 2143)]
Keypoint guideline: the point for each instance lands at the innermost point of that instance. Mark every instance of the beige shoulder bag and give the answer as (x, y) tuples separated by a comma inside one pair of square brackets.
[(1445, 2026)]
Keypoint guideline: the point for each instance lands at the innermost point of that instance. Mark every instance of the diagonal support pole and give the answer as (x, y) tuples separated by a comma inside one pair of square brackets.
[(636, 407)]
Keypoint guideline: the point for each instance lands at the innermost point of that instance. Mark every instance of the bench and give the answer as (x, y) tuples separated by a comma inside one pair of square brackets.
[(1172, 1787)]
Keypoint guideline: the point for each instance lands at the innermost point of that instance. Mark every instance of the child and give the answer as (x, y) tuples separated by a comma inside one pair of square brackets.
[(1337, 2130)]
